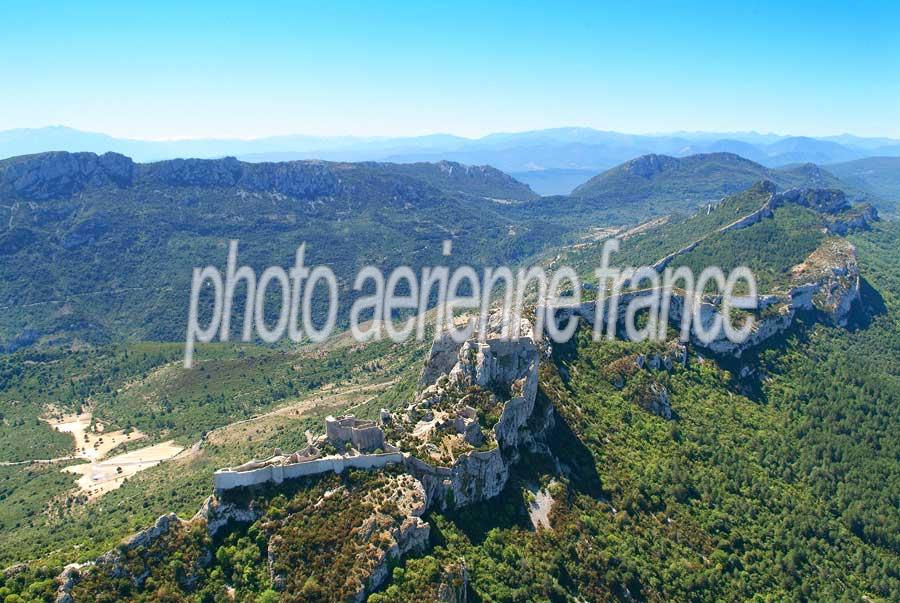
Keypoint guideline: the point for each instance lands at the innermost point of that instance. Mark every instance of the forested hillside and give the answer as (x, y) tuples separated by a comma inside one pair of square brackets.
[(99, 249), (780, 486), (771, 475)]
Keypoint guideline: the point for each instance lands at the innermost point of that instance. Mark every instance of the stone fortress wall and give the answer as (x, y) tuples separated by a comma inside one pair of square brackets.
[(367, 437), (475, 475), (226, 479), (360, 434)]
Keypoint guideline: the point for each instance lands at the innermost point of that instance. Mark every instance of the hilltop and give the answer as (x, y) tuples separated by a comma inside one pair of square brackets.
[(878, 176), (692, 181), (654, 185)]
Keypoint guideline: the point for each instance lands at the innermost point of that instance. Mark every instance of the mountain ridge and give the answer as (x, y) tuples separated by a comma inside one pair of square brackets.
[(552, 148), (59, 173), (879, 176), (137, 229)]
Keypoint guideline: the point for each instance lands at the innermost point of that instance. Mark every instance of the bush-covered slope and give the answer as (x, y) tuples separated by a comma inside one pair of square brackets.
[(659, 184), (879, 176), (780, 486), (101, 249), (775, 477)]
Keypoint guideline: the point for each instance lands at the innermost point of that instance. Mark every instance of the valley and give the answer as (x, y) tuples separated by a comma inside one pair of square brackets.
[(617, 455)]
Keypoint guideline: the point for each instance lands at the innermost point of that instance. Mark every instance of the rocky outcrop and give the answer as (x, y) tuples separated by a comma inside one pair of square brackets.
[(66, 581), (442, 357), (60, 174), (486, 177), (393, 528), (509, 366), (827, 282), (144, 538), (657, 401), (409, 535), (215, 513), (117, 563), (219, 514), (826, 200), (454, 584), (478, 180), (300, 179), (765, 211), (858, 218), (648, 166), (474, 476), (839, 218), (87, 232), (194, 172)]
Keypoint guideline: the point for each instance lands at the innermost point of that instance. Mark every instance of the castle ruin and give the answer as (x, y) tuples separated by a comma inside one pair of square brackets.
[(361, 434)]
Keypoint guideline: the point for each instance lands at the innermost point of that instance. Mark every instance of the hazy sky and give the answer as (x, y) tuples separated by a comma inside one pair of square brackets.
[(193, 69)]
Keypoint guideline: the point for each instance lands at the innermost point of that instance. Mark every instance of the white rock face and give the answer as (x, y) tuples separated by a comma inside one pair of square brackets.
[(479, 475), (442, 358), (827, 281), (219, 514), (659, 403), (410, 535)]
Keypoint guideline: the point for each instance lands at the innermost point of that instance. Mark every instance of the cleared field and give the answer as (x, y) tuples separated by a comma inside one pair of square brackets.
[(91, 444), (99, 477)]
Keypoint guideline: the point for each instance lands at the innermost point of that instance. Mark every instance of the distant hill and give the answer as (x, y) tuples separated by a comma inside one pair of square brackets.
[(879, 176), (801, 149), (97, 247), (737, 147), (655, 184), (696, 179)]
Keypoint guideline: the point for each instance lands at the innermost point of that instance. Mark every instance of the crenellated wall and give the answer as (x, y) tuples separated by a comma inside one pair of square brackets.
[(226, 479)]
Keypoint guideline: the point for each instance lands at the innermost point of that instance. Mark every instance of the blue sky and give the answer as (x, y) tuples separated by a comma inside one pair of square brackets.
[(219, 69)]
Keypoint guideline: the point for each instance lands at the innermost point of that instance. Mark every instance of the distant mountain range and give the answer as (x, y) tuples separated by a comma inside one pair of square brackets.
[(552, 161)]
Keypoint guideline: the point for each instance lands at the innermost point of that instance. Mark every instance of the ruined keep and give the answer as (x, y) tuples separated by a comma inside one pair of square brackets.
[(362, 435)]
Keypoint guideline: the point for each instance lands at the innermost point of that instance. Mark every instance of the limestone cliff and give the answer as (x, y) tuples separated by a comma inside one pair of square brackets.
[(827, 282), (504, 371)]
